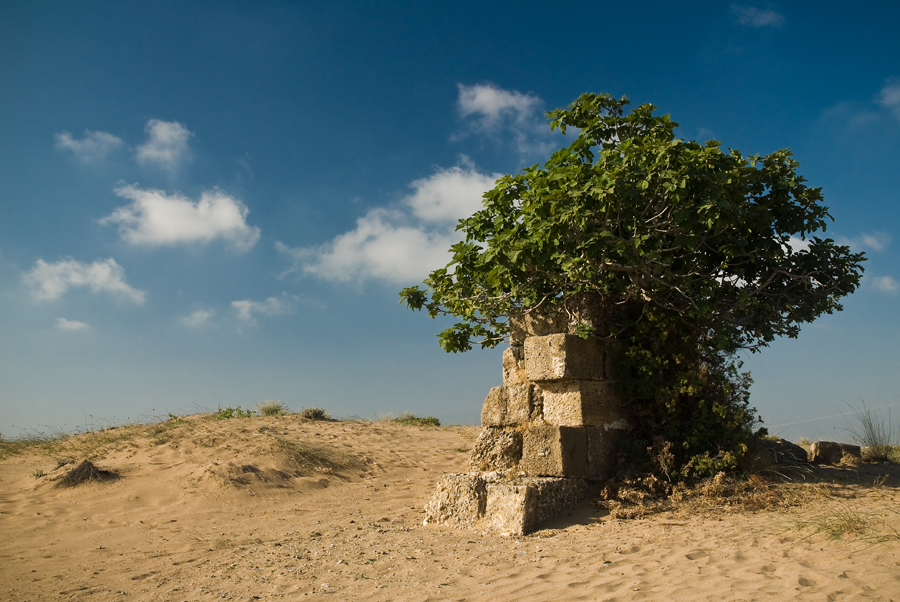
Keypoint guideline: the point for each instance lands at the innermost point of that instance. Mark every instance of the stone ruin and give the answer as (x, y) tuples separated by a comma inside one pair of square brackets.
[(553, 426)]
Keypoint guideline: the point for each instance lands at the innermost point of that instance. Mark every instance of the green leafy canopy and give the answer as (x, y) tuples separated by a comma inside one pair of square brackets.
[(628, 211)]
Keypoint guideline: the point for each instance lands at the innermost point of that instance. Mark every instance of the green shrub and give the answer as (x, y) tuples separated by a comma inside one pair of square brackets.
[(236, 412), (271, 407), (314, 414), (412, 419)]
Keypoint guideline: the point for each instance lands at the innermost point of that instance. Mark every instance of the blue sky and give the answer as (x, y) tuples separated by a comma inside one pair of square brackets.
[(211, 204)]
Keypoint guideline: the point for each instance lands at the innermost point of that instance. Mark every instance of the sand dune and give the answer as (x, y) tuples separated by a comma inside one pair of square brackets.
[(281, 508)]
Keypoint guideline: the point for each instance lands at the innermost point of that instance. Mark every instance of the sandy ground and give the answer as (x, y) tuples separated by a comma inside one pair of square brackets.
[(213, 510)]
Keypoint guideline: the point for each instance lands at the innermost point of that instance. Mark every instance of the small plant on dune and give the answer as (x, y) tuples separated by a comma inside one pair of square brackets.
[(45, 442), (412, 419), (843, 521), (314, 414), (874, 432), (236, 412), (37, 473), (271, 407)]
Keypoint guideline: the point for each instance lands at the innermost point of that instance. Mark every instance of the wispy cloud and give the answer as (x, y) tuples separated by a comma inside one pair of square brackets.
[(861, 116), (166, 146), (884, 283), (403, 243), (198, 318), (754, 17), (873, 241), (889, 96), (52, 280), (247, 310), (156, 218), (491, 111), (71, 325), (493, 106), (92, 148)]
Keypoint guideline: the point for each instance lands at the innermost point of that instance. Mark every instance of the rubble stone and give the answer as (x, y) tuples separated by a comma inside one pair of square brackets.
[(508, 405), (582, 403), (829, 452), (496, 449), (556, 357)]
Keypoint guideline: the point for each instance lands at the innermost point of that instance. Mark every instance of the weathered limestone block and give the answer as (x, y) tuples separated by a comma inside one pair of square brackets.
[(603, 447), (514, 365), (508, 405), (460, 500), (555, 451), (829, 452), (565, 451), (563, 357), (496, 449), (491, 502), (582, 403), (538, 323), (580, 308)]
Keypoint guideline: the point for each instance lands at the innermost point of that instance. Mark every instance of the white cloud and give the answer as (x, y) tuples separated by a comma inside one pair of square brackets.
[(155, 218), (377, 248), (492, 111), (798, 244), (889, 96), (93, 147), (754, 17), (52, 280), (450, 194), (884, 283), (247, 309), (71, 325), (166, 146), (197, 319), (402, 244)]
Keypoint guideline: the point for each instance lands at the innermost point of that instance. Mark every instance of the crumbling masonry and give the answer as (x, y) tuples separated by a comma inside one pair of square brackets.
[(552, 428)]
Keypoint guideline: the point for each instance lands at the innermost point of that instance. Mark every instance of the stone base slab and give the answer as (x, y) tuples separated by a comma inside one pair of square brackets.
[(496, 503)]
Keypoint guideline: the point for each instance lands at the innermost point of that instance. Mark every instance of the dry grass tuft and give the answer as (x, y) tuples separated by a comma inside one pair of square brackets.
[(875, 433), (314, 414), (319, 458), (640, 495), (271, 407), (85, 473)]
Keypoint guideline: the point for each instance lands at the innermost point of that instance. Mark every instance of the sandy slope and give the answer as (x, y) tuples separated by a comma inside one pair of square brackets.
[(212, 510)]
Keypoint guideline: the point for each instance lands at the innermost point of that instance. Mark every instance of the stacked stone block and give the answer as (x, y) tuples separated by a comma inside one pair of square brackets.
[(554, 424)]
